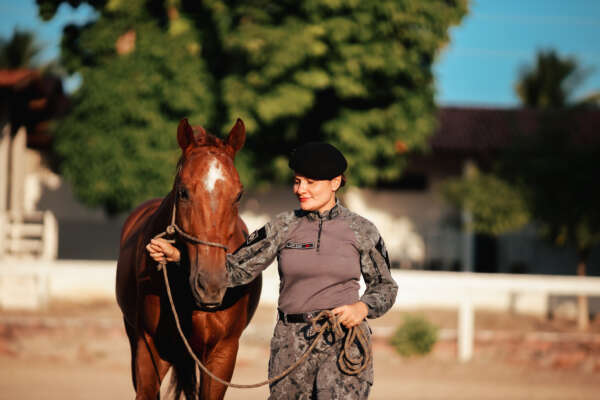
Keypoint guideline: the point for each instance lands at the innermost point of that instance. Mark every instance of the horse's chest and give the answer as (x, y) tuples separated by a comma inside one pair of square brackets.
[(209, 328)]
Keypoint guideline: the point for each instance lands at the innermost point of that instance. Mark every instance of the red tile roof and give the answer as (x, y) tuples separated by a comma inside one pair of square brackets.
[(484, 129), (31, 99), (16, 78)]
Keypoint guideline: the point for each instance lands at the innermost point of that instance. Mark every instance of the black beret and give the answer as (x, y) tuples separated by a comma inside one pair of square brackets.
[(318, 160)]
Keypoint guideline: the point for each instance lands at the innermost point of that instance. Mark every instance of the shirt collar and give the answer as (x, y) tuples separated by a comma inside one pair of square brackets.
[(329, 214)]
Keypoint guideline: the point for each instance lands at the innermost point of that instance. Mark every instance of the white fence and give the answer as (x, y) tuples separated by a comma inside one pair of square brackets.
[(34, 234), (32, 283), (468, 291)]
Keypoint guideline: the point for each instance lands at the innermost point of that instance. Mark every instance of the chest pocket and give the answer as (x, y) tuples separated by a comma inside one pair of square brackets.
[(300, 246)]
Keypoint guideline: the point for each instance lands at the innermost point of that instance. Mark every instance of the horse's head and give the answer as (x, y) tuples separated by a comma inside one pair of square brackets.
[(207, 194)]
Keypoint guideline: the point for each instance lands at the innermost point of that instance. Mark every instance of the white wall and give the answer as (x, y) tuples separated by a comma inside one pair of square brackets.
[(31, 284)]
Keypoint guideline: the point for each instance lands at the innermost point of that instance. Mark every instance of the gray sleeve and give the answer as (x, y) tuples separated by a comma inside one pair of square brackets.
[(257, 252), (381, 290)]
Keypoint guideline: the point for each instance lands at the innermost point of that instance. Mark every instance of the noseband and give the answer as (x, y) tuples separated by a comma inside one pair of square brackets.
[(174, 228)]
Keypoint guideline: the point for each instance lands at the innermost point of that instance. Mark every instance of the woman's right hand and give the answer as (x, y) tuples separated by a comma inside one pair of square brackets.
[(162, 251)]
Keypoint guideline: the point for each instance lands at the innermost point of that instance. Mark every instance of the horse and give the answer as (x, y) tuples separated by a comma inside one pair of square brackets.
[(205, 200)]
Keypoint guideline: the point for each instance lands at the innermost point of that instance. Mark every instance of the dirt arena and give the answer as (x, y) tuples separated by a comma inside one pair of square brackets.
[(80, 352)]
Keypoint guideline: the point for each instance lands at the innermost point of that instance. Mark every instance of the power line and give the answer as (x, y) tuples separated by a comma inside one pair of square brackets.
[(540, 19)]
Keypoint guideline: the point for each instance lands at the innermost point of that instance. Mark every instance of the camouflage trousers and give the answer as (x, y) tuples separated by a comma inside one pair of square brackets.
[(319, 377)]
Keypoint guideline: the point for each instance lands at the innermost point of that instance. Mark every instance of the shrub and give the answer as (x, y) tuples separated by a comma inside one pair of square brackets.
[(416, 336)]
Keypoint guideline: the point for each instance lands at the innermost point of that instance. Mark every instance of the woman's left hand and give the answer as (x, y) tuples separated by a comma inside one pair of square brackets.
[(351, 314)]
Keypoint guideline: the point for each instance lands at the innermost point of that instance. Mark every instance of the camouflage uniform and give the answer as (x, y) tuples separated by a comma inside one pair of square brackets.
[(321, 258), (319, 377)]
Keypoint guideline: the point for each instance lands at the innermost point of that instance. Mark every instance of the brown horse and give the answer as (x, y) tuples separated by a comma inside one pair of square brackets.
[(206, 195)]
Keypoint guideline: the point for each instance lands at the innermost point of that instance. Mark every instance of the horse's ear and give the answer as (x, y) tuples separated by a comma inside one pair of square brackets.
[(185, 134), (237, 136)]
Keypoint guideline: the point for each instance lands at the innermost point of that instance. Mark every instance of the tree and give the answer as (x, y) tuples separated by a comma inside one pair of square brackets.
[(548, 177), (19, 51), (556, 171), (590, 101), (496, 206), (39, 96), (550, 83), (355, 73)]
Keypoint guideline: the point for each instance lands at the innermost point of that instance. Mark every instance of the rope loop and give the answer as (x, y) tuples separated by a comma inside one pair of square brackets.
[(348, 364)]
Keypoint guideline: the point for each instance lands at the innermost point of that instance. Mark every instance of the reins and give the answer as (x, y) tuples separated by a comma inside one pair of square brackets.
[(348, 364)]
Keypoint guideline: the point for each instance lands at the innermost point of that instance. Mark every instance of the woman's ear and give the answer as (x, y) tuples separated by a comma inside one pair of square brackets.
[(336, 183)]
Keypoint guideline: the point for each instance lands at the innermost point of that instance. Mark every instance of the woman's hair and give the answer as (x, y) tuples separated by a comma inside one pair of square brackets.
[(343, 181)]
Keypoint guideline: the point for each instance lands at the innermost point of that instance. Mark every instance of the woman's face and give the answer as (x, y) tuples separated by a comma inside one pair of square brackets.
[(316, 195)]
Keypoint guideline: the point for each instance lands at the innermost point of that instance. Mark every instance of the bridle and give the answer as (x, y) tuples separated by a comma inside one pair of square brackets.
[(174, 228)]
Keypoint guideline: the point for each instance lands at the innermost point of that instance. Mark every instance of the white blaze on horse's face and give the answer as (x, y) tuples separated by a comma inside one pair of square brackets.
[(215, 173)]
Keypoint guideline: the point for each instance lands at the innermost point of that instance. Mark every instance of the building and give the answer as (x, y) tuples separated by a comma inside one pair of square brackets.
[(421, 230), (28, 101)]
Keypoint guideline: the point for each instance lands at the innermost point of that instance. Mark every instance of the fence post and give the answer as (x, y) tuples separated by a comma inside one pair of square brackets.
[(466, 328), (467, 241), (17, 171), (4, 169), (49, 236)]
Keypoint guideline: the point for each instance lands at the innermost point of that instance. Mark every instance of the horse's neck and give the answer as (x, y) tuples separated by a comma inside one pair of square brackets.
[(162, 216)]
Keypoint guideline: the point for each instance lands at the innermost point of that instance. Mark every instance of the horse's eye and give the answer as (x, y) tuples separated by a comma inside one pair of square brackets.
[(239, 197), (183, 194)]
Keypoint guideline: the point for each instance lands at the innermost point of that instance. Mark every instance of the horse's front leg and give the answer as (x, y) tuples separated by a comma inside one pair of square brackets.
[(149, 368), (220, 360)]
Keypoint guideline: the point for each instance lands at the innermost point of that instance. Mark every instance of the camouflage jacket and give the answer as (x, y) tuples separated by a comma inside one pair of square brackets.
[(321, 258)]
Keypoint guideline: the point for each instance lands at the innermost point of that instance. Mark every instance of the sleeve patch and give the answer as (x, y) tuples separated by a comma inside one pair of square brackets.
[(382, 250), (254, 237)]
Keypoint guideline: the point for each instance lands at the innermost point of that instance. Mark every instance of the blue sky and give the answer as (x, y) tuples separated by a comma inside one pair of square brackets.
[(478, 67), (498, 37)]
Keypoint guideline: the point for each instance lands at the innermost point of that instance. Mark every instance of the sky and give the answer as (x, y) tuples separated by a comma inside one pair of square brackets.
[(479, 67), (499, 37)]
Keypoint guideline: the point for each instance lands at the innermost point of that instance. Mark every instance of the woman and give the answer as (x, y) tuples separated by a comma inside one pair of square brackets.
[(322, 250)]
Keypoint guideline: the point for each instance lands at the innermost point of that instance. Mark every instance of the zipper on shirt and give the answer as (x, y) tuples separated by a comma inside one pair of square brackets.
[(319, 234)]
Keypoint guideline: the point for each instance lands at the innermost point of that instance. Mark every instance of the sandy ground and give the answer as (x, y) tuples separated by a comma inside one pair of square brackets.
[(81, 352)]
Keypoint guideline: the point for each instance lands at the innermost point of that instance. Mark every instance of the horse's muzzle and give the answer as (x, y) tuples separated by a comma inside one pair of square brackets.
[(207, 297)]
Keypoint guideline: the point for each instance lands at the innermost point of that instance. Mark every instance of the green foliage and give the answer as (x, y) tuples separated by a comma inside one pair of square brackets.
[(416, 336), (557, 171), (118, 144), (355, 73), (550, 83), (496, 205), (19, 51), (590, 101), (557, 168), (548, 177)]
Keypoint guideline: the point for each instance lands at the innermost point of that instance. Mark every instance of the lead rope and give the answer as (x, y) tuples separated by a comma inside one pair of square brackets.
[(348, 364)]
